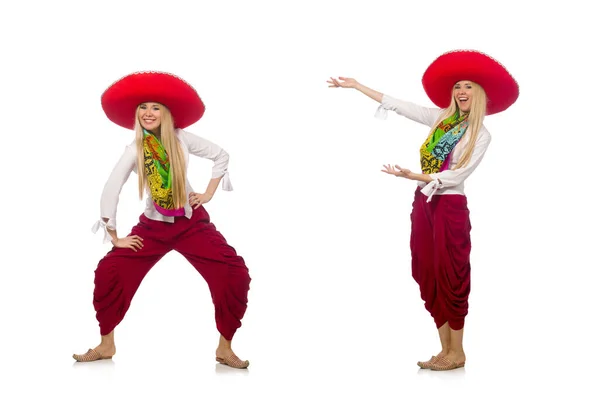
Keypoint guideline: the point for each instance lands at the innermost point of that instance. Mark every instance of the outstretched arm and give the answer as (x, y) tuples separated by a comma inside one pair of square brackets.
[(423, 115), (351, 83)]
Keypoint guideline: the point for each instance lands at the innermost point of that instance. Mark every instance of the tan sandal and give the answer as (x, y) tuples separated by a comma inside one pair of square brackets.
[(427, 364), (90, 355), (233, 361), (443, 364)]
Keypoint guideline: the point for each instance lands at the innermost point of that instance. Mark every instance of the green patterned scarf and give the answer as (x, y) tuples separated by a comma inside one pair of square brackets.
[(158, 171), (441, 142)]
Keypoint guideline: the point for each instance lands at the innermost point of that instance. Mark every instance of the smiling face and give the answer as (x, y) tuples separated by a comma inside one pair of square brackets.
[(149, 116), (463, 95)]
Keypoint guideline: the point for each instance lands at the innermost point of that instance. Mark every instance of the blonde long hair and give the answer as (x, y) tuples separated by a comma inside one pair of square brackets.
[(476, 115), (174, 152)]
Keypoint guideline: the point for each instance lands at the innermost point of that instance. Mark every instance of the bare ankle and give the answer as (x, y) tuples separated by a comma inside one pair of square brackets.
[(106, 347), (224, 344)]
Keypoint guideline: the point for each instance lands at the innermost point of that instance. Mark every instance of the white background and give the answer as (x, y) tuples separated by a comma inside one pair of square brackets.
[(333, 311)]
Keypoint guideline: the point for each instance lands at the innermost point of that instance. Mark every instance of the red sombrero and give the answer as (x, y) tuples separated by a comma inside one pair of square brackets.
[(500, 87), (121, 99)]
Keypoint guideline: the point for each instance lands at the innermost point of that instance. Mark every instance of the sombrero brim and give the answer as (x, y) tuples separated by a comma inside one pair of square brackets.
[(440, 77), (122, 98)]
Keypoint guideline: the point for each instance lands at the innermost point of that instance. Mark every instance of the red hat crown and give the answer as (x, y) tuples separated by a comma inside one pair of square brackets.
[(501, 89), (121, 99)]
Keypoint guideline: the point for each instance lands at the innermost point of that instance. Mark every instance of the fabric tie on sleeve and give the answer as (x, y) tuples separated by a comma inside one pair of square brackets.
[(381, 112), (101, 224), (227, 182), (430, 189)]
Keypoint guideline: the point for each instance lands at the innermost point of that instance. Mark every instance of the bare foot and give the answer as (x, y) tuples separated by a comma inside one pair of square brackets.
[(101, 352)]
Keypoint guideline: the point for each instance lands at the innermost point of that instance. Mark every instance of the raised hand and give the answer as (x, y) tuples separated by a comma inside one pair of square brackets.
[(398, 171), (343, 83)]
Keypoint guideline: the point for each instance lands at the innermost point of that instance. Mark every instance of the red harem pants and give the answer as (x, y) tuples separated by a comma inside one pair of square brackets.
[(440, 245), (121, 271)]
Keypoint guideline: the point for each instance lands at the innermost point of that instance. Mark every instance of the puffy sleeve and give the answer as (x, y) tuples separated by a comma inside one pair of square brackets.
[(201, 147), (424, 115), (112, 189)]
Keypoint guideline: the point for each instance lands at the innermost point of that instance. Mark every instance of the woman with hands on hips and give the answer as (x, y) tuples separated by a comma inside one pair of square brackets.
[(158, 106), (466, 85)]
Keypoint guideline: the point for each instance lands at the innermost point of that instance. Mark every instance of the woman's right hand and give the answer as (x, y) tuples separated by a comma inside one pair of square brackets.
[(343, 83), (129, 242), (352, 84)]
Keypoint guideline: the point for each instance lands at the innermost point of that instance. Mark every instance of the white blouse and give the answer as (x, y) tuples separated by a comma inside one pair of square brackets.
[(450, 181), (191, 144)]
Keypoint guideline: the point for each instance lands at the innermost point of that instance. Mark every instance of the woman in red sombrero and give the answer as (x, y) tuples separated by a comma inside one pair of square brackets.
[(466, 85), (158, 107)]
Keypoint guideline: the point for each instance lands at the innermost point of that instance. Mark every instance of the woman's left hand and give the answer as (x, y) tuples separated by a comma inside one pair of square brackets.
[(197, 199), (397, 171)]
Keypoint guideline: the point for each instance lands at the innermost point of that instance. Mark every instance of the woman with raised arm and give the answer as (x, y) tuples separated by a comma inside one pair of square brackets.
[(157, 106), (466, 85)]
